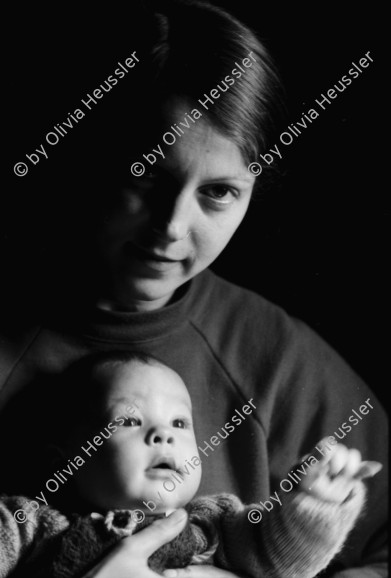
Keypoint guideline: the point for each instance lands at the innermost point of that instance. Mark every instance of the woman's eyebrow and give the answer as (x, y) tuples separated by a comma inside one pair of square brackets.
[(163, 169), (231, 178)]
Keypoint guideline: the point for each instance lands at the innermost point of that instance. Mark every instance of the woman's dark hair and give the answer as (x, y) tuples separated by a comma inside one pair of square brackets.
[(185, 49), (194, 46)]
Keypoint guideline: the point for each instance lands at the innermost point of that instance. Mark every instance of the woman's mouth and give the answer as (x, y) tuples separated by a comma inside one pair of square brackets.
[(151, 258)]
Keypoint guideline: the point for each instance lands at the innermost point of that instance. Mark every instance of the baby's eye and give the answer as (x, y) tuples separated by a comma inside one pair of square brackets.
[(180, 423), (132, 421)]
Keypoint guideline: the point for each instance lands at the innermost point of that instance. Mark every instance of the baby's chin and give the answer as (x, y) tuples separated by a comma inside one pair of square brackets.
[(154, 507)]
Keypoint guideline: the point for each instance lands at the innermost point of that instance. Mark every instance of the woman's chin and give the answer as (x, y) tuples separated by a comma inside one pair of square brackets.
[(147, 294)]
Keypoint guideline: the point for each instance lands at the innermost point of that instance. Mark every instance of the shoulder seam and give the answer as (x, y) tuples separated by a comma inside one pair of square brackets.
[(235, 385), (22, 353)]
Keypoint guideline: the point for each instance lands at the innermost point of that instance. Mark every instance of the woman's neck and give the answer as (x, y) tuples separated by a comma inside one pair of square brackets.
[(132, 305)]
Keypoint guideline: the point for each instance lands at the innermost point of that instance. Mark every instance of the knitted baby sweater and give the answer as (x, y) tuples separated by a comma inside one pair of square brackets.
[(296, 540)]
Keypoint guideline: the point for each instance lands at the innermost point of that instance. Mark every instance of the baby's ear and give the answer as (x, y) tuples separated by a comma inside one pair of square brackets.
[(368, 470)]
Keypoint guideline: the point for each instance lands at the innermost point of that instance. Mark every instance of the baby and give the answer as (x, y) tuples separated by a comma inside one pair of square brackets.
[(134, 418)]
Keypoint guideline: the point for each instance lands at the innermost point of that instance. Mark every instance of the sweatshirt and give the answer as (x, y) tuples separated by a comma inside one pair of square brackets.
[(234, 350)]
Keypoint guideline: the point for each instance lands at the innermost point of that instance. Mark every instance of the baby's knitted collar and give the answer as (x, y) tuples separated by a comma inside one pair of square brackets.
[(124, 522)]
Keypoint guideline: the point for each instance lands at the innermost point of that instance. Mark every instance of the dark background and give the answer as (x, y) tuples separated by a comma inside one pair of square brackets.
[(318, 244)]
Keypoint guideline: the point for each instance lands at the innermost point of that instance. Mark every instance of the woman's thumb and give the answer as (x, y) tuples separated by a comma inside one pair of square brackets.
[(158, 533)]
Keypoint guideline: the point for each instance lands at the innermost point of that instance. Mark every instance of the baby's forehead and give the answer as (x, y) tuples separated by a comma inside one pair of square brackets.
[(141, 380)]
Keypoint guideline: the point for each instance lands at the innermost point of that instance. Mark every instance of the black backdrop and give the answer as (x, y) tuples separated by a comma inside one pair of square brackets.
[(318, 245)]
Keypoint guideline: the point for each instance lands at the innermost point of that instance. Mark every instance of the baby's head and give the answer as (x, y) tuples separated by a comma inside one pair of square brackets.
[(141, 412)]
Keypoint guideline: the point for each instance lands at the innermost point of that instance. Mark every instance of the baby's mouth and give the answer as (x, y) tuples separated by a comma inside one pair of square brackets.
[(162, 464)]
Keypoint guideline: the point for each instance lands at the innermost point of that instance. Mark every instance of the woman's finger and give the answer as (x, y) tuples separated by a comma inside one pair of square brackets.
[(150, 539), (200, 571)]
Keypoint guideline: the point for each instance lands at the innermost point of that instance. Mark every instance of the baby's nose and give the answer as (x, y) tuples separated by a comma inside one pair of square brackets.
[(161, 436)]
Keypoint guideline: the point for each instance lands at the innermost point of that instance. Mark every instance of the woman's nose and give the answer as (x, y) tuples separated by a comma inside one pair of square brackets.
[(174, 224), (160, 436)]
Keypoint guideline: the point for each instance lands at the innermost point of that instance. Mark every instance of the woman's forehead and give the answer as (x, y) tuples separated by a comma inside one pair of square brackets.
[(205, 153), (199, 148)]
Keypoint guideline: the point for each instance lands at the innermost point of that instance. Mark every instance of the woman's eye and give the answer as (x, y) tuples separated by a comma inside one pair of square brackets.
[(220, 194), (145, 181), (131, 422), (149, 175)]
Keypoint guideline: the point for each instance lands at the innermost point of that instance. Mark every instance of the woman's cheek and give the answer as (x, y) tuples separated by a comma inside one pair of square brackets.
[(217, 239), (125, 217)]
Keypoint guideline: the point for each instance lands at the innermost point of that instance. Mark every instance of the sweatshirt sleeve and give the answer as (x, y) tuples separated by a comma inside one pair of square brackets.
[(297, 539), (21, 526)]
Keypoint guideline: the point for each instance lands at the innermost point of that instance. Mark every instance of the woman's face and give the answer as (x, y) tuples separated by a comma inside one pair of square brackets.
[(171, 223)]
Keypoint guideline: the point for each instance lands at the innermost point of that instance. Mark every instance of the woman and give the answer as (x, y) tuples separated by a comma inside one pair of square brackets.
[(201, 113)]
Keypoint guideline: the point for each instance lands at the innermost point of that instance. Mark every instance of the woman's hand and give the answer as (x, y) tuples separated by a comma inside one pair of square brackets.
[(130, 556), (203, 571)]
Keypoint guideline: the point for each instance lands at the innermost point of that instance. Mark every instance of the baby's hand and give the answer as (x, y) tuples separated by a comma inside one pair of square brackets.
[(336, 474)]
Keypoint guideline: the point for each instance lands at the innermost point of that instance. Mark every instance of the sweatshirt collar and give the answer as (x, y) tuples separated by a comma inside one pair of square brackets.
[(135, 327)]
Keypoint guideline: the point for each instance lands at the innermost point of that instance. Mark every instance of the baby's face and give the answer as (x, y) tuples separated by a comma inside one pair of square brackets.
[(139, 461)]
